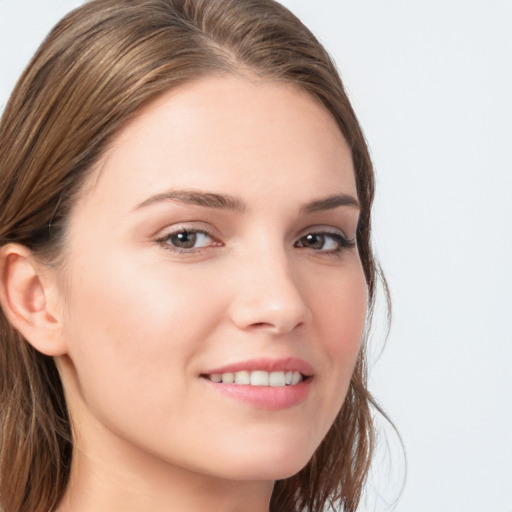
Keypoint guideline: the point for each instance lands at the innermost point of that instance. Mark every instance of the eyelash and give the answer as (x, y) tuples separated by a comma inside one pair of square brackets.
[(164, 241), (341, 241)]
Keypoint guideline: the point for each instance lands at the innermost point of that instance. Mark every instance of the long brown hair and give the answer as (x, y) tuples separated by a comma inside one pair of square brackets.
[(93, 73)]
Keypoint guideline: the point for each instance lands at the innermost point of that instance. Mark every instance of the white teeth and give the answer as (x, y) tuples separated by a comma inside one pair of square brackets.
[(228, 378), (258, 378), (242, 378), (277, 379)]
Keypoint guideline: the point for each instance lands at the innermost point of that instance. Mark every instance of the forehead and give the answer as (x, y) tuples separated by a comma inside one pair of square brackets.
[(220, 131)]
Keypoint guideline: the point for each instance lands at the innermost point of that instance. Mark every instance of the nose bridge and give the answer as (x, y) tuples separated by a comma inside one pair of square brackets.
[(269, 294)]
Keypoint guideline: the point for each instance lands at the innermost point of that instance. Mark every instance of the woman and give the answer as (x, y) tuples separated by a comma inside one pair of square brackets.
[(186, 266)]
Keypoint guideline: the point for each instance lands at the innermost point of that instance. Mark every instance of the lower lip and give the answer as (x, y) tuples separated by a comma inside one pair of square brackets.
[(266, 397)]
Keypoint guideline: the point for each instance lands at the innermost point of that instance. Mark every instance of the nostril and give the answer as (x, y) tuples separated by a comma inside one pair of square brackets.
[(277, 327), (278, 308)]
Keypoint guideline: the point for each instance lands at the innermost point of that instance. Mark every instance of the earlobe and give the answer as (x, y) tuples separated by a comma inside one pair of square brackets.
[(24, 292)]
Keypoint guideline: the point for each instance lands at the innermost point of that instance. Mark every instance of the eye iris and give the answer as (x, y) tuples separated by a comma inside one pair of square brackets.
[(185, 240), (315, 241)]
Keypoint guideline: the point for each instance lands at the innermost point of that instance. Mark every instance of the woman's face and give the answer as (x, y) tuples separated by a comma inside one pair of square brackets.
[(215, 241)]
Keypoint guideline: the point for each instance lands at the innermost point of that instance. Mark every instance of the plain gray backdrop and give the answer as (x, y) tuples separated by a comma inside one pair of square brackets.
[(431, 82)]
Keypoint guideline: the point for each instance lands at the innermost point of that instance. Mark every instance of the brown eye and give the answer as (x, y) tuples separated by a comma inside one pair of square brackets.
[(188, 240), (314, 241), (183, 240), (324, 242)]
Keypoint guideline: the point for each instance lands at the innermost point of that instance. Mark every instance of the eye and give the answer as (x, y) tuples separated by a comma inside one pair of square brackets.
[(325, 242), (187, 240)]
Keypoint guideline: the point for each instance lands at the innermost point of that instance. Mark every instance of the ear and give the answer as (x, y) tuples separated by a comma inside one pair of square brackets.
[(30, 300)]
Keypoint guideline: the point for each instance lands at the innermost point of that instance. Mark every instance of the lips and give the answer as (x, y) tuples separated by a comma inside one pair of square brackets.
[(264, 383)]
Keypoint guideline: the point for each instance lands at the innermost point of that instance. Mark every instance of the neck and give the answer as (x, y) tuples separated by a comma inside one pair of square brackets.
[(105, 486)]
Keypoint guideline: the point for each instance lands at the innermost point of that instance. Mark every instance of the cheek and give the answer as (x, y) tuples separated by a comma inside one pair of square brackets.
[(340, 320), (340, 312), (133, 330)]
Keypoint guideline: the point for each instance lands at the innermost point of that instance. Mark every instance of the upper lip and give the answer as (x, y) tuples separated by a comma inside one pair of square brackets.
[(288, 364)]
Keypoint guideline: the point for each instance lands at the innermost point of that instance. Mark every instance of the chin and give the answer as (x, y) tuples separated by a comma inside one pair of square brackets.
[(268, 471), (268, 462)]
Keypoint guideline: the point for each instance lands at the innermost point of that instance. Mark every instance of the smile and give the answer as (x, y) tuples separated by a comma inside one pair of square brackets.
[(271, 384), (258, 378)]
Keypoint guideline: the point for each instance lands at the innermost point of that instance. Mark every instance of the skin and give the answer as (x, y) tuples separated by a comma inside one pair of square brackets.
[(139, 321)]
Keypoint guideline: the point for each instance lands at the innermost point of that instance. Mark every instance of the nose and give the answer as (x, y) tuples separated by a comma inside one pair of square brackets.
[(268, 296)]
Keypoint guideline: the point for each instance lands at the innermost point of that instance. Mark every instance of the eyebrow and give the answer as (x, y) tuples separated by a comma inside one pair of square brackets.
[(330, 202), (234, 204), (198, 198)]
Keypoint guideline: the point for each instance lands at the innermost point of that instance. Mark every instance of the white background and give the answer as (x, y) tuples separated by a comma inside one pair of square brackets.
[(431, 82)]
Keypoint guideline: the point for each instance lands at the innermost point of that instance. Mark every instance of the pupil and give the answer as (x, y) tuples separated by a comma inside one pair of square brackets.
[(315, 241), (184, 240)]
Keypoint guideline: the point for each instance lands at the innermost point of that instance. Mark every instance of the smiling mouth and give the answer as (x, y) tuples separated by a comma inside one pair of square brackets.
[(257, 378)]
